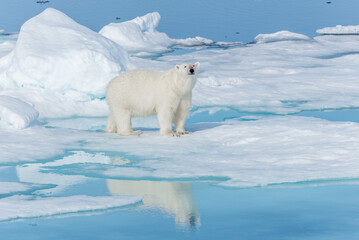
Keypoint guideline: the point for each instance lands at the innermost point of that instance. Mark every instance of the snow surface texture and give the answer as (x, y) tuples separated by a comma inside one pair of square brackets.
[(19, 207), (339, 30), (16, 112)]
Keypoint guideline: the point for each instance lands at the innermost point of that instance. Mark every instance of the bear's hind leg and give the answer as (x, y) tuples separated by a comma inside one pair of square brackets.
[(111, 125), (123, 122)]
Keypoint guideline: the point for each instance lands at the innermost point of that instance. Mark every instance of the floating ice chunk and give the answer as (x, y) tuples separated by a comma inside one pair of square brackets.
[(199, 42), (193, 42), (279, 36), (139, 36), (58, 54), (20, 207), (339, 30), (16, 112)]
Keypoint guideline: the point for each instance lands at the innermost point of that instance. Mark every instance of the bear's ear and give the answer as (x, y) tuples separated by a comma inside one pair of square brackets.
[(197, 64)]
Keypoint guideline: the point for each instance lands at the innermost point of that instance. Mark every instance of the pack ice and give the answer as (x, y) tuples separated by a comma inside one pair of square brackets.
[(59, 68)]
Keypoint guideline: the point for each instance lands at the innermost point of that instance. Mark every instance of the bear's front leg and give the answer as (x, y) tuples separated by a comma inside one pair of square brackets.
[(164, 117), (180, 115)]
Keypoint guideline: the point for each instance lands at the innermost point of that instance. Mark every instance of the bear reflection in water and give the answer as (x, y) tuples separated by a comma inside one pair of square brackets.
[(175, 198)]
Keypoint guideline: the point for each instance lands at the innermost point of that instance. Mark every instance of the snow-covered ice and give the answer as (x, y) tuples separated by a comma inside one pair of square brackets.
[(20, 207), (339, 29), (245, 154), (268, 151), (16, 112)]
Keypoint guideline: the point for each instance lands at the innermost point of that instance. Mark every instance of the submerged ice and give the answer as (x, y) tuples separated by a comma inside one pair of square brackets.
[(22, 207)]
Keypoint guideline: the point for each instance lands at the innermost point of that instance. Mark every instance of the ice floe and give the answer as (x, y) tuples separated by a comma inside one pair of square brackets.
[(280, 36), (340, 30), (263, 152), (193, 42), (278, 77), (24, 207), (16, 112), (267, 151)]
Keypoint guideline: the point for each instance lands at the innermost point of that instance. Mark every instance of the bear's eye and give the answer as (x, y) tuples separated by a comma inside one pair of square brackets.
[(185, 66)]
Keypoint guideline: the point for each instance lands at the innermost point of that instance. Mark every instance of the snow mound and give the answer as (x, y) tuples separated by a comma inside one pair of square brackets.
[(139, 36), (18, 207), (339, 30), (16, 112), (279, 36), (54, 52)]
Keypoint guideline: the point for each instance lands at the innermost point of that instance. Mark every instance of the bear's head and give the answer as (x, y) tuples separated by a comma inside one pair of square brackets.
[(187, 76), (188, 69)]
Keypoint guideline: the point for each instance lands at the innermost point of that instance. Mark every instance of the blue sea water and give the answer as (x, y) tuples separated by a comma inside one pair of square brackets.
[(226, 20), (310, 210)]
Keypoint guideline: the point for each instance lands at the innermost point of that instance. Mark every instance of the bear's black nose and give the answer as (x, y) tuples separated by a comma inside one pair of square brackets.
[(191, 70)]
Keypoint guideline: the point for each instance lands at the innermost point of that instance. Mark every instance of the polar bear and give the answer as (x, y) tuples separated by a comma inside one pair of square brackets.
[(144, 92)]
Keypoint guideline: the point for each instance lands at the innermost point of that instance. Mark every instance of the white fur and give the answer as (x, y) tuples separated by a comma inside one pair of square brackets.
[(144, 92)]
